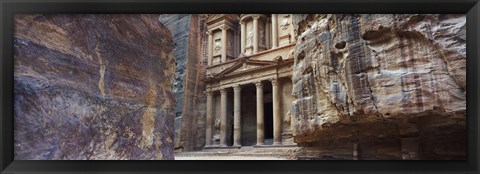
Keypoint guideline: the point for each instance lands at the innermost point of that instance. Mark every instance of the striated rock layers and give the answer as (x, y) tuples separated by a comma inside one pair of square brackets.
[(190, 39), (93, 87), (380, 86)]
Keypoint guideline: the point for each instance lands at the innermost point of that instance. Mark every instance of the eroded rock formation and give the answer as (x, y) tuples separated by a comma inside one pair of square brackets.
[(190, 57), (93, 87), (381, 86)]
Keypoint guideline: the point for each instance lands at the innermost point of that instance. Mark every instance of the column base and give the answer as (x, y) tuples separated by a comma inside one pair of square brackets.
[(223, 147), (277, 143), (237, 145), (260, 144), (270, 146)]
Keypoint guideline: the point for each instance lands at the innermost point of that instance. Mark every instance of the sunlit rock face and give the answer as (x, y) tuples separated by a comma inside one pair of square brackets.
[(93, 87), (392, 84)]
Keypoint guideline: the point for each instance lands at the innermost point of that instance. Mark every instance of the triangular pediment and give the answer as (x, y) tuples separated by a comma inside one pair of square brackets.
[(212, 18), (244, 65)]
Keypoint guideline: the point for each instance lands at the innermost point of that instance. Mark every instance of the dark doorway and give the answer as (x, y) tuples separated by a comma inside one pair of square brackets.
[(268, 120)]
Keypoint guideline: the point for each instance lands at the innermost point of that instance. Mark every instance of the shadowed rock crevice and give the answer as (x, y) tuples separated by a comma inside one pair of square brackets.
[(190, 39)]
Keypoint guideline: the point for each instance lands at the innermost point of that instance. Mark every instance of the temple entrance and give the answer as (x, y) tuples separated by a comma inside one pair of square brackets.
[(268, 121), (248, 116)]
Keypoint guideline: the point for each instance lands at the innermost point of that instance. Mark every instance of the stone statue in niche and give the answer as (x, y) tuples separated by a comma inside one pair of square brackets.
[(217, 124), (249, 37), (285, 23), (229, 47), (216, 133), (261, 35), (217, 46)]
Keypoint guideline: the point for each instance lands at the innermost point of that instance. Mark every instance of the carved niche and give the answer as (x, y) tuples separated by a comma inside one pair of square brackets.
[(285, 23), (249, 37), (217, 46), (261, 35)]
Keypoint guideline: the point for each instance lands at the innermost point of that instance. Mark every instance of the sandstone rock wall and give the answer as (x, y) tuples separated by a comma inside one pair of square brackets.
[(93, 87), (190, 56), (179, 25), (391, 85)]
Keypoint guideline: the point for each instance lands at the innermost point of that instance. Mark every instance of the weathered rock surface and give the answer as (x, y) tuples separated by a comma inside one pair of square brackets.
[(93, 87), (179, 25), (392, 85), (190, 56)]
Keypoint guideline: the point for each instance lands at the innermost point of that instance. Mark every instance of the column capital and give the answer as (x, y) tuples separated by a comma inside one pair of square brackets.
[(242, 22), (209, 32), (259, 84), (208, 92), (237, 88), (274, 82), (255, 17), (223, 91), (224, 27)]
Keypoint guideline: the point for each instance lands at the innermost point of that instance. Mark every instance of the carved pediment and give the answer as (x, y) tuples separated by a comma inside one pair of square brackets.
[(216, 17), (244, 65)]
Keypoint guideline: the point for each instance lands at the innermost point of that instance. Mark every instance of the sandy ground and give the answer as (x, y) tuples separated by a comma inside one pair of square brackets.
[(227, 158)]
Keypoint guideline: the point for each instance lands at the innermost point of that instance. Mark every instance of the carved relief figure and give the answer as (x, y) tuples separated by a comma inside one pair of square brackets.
[(285, 23), (217, 46), (260, 35), (249, 37), (216, 125), (229, 47)]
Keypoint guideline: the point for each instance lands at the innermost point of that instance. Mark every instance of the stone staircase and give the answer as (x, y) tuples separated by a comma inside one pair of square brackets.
[(286, 152)]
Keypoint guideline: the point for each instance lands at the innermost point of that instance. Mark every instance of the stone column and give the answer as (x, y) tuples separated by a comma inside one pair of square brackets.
[(277, 114), (274, 31), (268, 35), (242, 37), (210, 47), (235, 47), (260, 124), (224, 43), (237, 130), (209, 120), (355, 151), (223, 117), (255, 33)]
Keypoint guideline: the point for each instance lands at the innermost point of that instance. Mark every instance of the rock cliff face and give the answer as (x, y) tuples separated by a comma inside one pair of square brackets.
[(190, 57), (380, 86), (93, 87), (179, 25)]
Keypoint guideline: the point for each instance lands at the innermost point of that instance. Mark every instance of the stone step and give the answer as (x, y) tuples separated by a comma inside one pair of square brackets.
[(245, 151), (235, 154)]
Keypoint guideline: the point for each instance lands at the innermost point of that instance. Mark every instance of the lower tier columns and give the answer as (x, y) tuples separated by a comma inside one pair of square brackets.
[(237, 131), (209, 119), (260, 124), (277, 115), (223, 117)]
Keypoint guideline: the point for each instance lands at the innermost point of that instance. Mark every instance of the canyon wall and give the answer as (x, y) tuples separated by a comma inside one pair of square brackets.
[(386, 86), (179, 25), (190, 52), (93, 87)]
